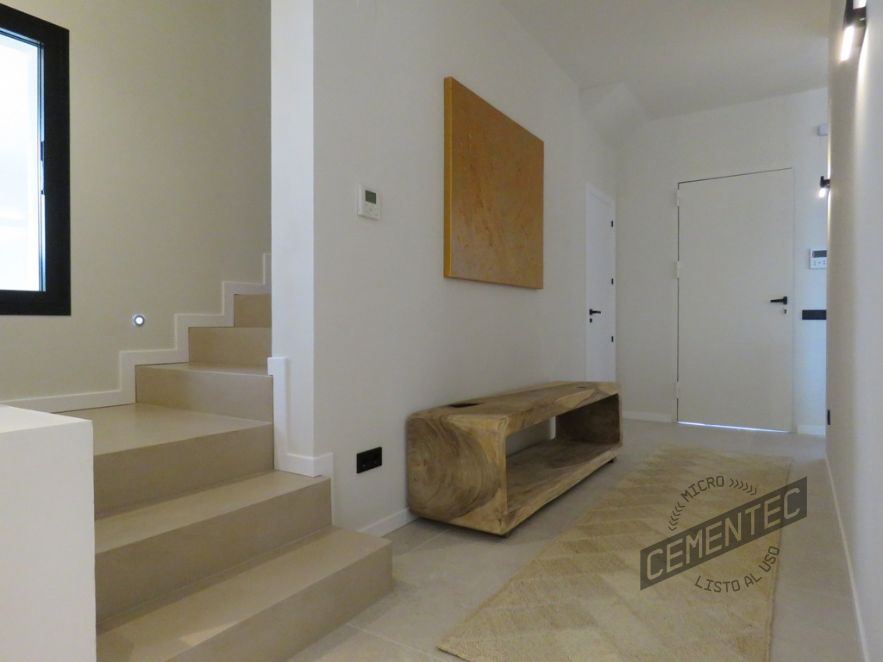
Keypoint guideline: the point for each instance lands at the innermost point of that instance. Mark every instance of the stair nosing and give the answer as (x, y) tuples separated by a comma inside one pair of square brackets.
[(131, 531), (294, 553), (234, 424), (244, 369)]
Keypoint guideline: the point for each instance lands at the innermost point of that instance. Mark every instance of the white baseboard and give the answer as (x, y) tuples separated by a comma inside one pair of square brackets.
[(129, 359), (852, 583), (817, 430), (307, 465), (389, 523), (648, 416)]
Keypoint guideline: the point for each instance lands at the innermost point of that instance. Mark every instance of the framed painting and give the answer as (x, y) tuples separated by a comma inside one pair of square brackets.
[(493, 194)]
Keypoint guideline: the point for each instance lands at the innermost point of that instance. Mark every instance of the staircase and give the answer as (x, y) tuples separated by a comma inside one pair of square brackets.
[(203, 551)]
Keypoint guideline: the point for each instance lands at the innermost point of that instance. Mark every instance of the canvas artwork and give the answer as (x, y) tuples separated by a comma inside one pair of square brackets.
[(493, 194)]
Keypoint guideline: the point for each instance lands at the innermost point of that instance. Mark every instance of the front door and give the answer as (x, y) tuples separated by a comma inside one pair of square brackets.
[(736, 285)]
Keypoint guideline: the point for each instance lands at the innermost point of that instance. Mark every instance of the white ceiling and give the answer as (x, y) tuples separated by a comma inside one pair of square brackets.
[(680, 56)]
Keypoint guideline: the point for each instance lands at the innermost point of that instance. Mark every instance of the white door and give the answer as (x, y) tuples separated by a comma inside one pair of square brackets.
[(600, 308), (735, 329)]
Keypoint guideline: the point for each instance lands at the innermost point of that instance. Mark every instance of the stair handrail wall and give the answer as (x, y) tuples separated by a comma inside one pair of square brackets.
[(129, 359)]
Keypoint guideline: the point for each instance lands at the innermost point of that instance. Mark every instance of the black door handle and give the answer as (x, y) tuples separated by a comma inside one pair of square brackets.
[(594, 312), (783, 301)]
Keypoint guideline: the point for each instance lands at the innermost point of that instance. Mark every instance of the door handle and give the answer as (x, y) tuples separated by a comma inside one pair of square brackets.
[(783, 301), (594, 312)]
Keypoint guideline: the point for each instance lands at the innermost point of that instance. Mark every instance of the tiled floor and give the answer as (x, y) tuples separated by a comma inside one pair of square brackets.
[(443, 573)]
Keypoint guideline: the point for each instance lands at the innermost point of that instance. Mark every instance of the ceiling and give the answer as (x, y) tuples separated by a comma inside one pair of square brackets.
[(680, 56)]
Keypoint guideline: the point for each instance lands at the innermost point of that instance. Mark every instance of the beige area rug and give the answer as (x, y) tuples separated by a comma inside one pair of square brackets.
[(580, 599)]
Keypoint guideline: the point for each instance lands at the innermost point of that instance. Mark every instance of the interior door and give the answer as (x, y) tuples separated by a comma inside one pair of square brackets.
[(736, 281), (600, 288)]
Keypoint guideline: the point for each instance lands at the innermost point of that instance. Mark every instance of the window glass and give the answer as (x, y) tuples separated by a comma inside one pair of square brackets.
[(21, 204)]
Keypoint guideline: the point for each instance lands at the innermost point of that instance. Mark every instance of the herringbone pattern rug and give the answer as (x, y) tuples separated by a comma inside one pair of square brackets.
[(580, 599)]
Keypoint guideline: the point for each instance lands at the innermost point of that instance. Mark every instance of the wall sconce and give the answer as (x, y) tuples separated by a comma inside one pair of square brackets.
[(824, 186), (855, 19)]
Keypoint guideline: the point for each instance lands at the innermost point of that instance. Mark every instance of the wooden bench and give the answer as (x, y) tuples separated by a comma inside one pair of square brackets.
[(458, 470)]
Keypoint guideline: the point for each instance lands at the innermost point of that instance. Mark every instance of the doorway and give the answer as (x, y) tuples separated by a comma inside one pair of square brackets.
[(600, 287), (735, 301)]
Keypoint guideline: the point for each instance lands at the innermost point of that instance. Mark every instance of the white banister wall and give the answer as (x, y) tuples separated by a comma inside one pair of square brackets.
[(47, 538)]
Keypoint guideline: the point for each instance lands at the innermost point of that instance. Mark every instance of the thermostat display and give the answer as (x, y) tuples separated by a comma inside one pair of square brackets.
[(818, 258), (368, 204)]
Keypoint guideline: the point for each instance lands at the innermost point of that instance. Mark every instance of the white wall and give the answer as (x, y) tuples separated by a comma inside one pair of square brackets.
[(855, 352), (47, 555), (170, 161), (392, 335), (774, 133)]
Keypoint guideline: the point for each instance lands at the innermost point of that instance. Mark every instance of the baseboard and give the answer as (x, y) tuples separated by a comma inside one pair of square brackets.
[(307, 465), (129, 359), (852, 583), (389, 523), (648, 416), (817, 430)]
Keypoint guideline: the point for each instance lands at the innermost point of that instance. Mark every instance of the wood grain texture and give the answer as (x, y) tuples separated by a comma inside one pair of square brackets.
[(493, 194), (458, 471)]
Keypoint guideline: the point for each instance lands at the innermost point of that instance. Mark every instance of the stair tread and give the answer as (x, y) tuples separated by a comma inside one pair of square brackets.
[(173, 628), (211, 367), (139, 425), (131, 526)]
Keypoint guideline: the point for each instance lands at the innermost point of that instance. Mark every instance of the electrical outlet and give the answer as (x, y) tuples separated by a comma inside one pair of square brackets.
[(367, 460)]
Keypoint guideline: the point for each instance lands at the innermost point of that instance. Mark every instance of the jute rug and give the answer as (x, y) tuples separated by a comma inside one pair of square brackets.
[(580, 599)]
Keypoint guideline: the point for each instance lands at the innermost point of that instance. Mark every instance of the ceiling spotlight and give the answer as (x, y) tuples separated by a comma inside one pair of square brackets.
[(855, 18), (138, 320), (824, 186)]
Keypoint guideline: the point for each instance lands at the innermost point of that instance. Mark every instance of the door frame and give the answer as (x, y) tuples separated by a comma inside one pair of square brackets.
[(794, 267), (593, 190)]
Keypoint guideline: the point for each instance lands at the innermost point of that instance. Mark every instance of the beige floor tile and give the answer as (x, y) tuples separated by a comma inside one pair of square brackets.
[(443, 573), (348, 644)]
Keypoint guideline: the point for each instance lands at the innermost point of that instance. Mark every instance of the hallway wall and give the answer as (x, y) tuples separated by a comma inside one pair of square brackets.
[(391, 334), (855, 351)]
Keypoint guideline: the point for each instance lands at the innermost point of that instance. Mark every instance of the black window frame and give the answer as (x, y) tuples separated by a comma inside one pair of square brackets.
[(55, 298)]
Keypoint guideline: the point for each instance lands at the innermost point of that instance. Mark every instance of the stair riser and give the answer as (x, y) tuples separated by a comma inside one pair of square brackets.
[(252, 310), (229, 346), (288, 627), (242, 395), (150, 568), (130, 478)]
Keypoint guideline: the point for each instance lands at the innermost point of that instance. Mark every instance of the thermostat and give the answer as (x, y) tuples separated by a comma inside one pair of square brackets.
[(369, 204), (818, 258)]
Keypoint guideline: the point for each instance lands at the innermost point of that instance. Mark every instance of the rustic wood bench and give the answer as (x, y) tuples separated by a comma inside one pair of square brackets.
[(458, 470)]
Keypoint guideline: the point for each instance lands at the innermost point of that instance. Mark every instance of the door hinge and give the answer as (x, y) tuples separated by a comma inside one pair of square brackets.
[(678, 269), (678, 197), (611, 223), (613, 281), (677, 390), (611, 339)]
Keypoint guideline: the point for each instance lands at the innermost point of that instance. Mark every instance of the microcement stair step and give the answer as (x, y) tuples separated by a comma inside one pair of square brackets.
[(262, 612), (230, 345), (144, 452), (252, 310), (241, 391), (146, 553)]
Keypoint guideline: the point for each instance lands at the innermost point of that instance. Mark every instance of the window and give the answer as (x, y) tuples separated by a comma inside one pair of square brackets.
[(34, 166)]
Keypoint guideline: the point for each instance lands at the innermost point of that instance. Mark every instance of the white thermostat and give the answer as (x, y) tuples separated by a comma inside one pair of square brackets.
[(368, 204), (818, 258)]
